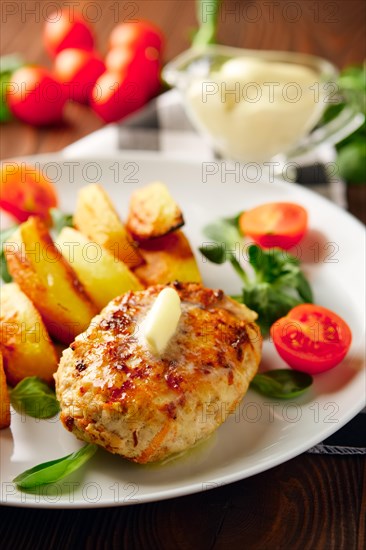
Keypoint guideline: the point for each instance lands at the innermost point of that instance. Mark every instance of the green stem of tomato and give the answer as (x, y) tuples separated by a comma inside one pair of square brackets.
[(207, 14), (240, 271)]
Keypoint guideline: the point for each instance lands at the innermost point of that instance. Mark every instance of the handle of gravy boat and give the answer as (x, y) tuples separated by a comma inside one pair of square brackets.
[(347, 121)]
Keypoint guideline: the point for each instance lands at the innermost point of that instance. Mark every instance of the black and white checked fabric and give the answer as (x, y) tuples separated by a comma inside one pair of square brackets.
[(163, 127), (349, 440)]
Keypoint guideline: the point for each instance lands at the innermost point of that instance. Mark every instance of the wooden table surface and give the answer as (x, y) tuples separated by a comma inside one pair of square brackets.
[(308, 502)]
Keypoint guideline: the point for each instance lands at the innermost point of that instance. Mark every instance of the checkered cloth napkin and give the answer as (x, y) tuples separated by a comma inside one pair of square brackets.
[(162, 126)]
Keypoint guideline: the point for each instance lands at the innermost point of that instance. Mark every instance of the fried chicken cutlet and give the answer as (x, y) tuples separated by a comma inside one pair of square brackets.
[(114, 392)]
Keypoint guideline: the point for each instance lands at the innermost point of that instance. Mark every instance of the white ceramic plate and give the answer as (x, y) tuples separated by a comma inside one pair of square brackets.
[(262, 433)]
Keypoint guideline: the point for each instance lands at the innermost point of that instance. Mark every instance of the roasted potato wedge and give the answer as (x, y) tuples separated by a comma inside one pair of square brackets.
[(103, 276), (96, 217), (4, 398), (167, 259), (47, 279), (153, 212), (24, 340)]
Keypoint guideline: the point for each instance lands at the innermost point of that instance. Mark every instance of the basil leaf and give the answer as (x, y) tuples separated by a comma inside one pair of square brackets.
[(304, 289), (282, 383), (35, 398), (4, 273), (226, 238), (4, 236), (352, 161), (224, 232), (49, 472), (5, 113), (273, 264), (214, 252), (8, 64), (270, 304), (352, 149), (278, 286), (60, 219)]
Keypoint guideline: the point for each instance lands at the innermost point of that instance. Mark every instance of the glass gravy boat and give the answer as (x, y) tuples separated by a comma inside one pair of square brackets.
[(257, 106)]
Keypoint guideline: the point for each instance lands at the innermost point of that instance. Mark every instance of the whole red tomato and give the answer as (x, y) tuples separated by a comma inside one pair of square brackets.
[(35, 97), (137, 66), (65, 29), (78, 70), (137, 36), (115, 96)]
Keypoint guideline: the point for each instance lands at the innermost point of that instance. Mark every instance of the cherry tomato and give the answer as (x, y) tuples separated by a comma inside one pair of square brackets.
[(35, 97), (311, 338), (137, 36), (281, 224), (137, 66), (25, 192), (67, 30), (78, 70), (115, 96)]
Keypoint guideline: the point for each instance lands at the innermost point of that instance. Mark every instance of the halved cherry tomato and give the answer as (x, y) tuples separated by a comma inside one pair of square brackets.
[(25, 192), (281, 224), (311, 338), (65, 30)]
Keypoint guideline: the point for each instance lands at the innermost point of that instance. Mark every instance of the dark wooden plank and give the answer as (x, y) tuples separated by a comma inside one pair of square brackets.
[(309, 502), (332, 29), (356, 196)]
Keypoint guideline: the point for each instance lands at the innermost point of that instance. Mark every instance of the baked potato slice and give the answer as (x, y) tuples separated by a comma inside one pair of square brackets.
[(96, 217), (153, 212), (103, 276), (167, 259), (47, 279), (24, 341), (4, 398)]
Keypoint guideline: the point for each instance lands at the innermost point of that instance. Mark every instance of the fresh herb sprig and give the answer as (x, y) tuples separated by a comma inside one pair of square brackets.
[(54, 470), (277, 283), (32, 396)]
